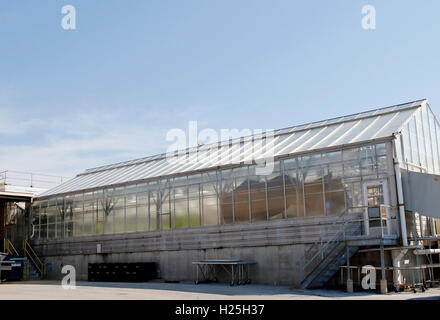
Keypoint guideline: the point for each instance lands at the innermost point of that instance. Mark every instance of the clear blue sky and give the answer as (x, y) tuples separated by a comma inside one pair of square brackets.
[(110, 90)]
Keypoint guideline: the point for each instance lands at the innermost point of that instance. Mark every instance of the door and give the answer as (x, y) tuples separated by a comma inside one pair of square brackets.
[(376, 204)]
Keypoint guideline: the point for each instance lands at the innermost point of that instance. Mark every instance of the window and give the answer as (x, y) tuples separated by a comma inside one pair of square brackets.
[(375, 198)]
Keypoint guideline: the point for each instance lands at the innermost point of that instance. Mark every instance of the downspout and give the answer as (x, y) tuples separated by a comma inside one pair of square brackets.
[(397, 257), (400, 200)]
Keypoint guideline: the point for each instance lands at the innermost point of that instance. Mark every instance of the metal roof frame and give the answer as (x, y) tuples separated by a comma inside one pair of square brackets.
[(360, 128)]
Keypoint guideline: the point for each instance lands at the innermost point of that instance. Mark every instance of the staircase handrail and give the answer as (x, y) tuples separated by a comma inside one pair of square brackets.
[(341, 235), (30, 253), (9, 247)]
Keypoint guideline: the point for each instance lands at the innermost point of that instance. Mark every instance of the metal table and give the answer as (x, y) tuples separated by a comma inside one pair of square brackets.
[(238, 269)]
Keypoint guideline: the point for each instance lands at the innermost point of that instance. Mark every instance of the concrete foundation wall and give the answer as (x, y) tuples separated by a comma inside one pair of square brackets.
[(177, 265)]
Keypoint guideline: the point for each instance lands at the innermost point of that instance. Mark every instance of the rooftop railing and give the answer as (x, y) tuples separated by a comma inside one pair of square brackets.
[(29, 179)]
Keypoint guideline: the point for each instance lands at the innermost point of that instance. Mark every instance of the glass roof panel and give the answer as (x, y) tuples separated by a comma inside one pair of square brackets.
[(379, 123)]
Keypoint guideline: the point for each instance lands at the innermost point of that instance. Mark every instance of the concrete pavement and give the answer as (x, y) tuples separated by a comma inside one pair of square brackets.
[(52, 290)]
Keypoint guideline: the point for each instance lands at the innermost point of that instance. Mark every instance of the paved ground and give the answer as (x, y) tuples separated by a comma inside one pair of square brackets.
[(48, 290)]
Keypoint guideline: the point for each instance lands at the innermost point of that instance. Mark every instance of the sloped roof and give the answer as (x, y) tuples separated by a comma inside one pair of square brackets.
[(352, 129)]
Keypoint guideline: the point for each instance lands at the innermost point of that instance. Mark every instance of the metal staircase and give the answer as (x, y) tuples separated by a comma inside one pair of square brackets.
[(35, 263), (33, 267), (30, 272), (328, 257)]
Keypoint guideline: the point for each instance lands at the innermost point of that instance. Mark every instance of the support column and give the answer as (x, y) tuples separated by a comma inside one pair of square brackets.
[(383, 281), (2, 224), (349, 280)]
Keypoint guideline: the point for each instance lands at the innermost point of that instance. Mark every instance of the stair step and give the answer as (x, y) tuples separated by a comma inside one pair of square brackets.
[(325, 270)]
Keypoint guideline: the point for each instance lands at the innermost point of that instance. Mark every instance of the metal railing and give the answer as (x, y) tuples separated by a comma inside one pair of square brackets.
[(29, 179), (30, 253), (358, 228), (416, 276), (9, 247), (326, 247)]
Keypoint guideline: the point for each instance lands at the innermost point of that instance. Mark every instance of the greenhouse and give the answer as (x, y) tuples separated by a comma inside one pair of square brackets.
[(212, 201)]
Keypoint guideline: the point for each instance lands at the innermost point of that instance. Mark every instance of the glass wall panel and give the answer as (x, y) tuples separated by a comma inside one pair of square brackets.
[(105, 216), (275, 193), (313, 187), (43, 220), (294, 189), (432, 131), (61, 213), (351, 163), (97, 211), (181, 207), (414, 142), (420, 139), (165, 205), (407, 145), (381, 161), (257, 184), (210, 203), (142, 208), (130, 212), (51, 217), (353, 196), (78, 217), (382, 166), (154, 208), (368, 162), (68, 216), (226, 200), (437, 132), (334, 188), (241, 194), (194, 178), (427, 138), (89, 215), (195, 218), (350, 155), (36, 219), (117, 214)]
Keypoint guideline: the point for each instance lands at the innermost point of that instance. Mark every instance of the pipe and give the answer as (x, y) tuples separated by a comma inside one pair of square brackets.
[(401, 205), (397, 274), (33, 231), (426, 251)]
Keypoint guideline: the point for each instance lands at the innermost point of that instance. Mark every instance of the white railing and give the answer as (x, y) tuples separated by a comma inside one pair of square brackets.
[(28, 179)]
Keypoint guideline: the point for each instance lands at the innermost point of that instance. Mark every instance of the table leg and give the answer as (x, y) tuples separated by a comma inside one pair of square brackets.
[(232, 274)]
